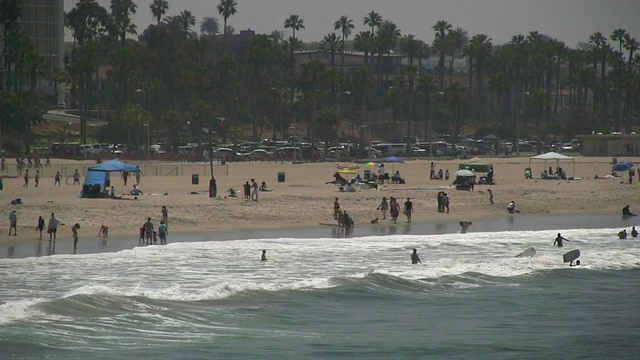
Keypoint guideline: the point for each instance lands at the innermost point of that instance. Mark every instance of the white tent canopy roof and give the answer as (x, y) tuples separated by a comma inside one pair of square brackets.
[(552, 156)]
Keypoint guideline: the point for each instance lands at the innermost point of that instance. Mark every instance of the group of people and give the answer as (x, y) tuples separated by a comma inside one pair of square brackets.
[(148, 234), (623, 234), (440, 175), (251, 190), (443, 202), (52, 227)]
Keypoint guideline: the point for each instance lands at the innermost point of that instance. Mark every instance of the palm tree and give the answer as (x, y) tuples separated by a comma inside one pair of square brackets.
[(478, 48), (362, 80), (455, 41), (363, 41), (330, 43), (209, 25), (409, 72), (226, 8), (441, 29), (600, 52), (158, 9), (392, 99), (373, 20), (458, 100), (498, 84), (345, 25), (187, 20), (426, 84), (36, 66), (314, 78), (387, 39), (121, 24), (10, 13), (410, 46), (295, 23)]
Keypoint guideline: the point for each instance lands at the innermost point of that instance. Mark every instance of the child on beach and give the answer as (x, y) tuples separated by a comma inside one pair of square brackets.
[(162, 232), (74, 234), (141, 239), (40, 226)]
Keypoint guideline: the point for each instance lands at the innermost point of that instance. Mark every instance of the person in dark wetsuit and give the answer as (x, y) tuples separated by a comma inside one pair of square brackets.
[(634, 232), (622, 234), (559, 240), (576, 264), (627, 212), (264, 255), (415, 259)]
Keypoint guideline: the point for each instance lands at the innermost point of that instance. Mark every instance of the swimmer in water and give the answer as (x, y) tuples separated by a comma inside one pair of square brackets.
[(415, 259)]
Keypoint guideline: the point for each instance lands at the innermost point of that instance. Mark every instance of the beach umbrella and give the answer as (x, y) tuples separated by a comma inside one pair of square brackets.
[(371, 165), (393, 159), (465, 173), (623, 165)]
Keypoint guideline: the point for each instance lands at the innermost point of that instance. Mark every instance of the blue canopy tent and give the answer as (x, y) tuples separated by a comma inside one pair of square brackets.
[(95, 182)]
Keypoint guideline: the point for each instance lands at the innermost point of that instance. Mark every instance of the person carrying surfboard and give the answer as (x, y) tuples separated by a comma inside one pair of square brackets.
[(559, 239)]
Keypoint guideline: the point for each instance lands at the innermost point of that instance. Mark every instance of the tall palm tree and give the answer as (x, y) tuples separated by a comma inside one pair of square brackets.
[(363, 41), (458, 100), (209, 25), (373, 20), (187, 20), (600, 52), (36, 66), (158, 9), (121, 24), (410, 73), (10, 13), (393, 99), (426, 85), (330, 43), (295, 23), (498, 84), (455, 41), (345, 25), (387, 39), (226, 8), (410, 46), (441, 29), (314, 78)]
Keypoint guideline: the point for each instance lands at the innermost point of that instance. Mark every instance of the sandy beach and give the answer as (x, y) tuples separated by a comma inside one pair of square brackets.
[(303, 200)]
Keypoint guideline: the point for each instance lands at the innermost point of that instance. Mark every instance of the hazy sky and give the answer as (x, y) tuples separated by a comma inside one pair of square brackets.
[(571, 21)]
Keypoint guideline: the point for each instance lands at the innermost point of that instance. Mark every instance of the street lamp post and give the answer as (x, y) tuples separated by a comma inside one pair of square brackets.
[(338, 111), (526, 93), (430, 124)]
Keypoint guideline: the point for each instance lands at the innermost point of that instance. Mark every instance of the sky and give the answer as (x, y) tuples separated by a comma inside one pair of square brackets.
[(571, 21)]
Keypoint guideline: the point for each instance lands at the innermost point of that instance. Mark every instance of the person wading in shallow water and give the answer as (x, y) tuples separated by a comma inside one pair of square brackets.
[(415, 259)]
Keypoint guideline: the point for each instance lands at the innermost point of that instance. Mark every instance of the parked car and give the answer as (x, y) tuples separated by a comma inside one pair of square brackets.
[(224, 154), (260, 154)]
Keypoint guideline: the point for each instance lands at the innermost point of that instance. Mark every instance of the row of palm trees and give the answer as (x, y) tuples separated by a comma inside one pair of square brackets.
[(183, 82)]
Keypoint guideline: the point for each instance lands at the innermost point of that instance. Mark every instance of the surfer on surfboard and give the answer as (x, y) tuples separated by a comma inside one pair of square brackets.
[(576, 264), (559, 239)]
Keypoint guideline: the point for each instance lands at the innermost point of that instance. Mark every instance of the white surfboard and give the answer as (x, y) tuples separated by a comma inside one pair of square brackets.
[(530, 252), (571, 255)]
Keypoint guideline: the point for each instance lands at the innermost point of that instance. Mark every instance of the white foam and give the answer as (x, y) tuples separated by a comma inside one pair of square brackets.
[(19, 309)]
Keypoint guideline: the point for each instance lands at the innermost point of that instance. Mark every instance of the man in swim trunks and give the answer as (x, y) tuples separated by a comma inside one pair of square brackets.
[(415, 259)]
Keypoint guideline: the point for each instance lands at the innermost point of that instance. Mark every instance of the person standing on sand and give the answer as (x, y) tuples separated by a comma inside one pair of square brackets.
[(125, 177), (247, 190), (432, 171), (165, 216), (76, 177), (336, 209), (408, 209), (254, 190), (490, 196), (13, 223), (138, 173), (52, 228), (162, 232), (264, 255), (57, 179), (384, 207), (26, 178), (141, 235), (213, 188), (395, 209), (148, 231), (74, 235), (36, 179), (40, 226), (415, 259)]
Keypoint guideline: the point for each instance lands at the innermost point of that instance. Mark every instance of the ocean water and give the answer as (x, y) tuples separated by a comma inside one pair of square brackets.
[(330, 298)]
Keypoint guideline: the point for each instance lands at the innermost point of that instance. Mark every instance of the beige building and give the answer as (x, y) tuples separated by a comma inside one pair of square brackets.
[(42, 22), (610, 144)]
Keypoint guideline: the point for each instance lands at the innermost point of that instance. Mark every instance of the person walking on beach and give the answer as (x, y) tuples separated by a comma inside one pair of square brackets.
[(247, 190), (432, 171), (336, 209), (165, 216), (490, 196), (213, 188), (148, 231), (395, 209), (384, 207), (40, 226), (36, 179), (138, 173), (76, 177), (26, 178), (74, 235), (254, 190), (264, 255), (125, 177), (162, 232), (13, 223), (57, 179), (559, 239), (52, 228), (408, 209), (415, 259)]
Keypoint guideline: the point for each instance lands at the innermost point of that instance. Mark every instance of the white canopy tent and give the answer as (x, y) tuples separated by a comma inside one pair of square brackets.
[(553, 156)]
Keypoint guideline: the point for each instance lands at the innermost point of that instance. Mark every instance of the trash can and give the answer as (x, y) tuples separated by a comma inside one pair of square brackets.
[(280, 177), (223, 162), (1, 186), (195, 179), (367, 175)]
